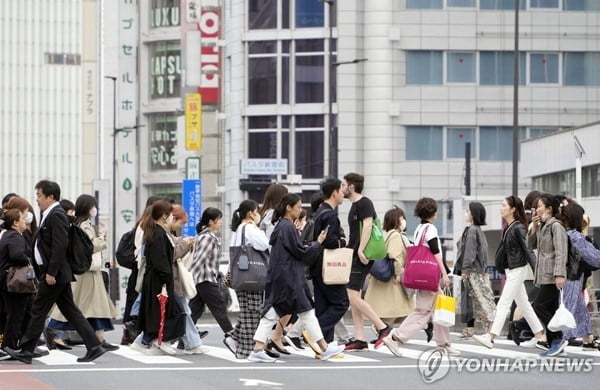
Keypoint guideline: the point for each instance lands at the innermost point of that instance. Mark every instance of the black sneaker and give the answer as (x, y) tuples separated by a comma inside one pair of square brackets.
[(543, 345), (513, 332), (4, 355), (575, 343), (382, 333), (589, 346), (356, 346)]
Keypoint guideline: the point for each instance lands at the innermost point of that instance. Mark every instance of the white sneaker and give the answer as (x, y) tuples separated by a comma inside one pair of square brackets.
[(150, 351), (260, 357), (392, 345), (529, 343), (231, 344), (165, 347), (484, 340), (332, 350), (451, 351), (199, 350)]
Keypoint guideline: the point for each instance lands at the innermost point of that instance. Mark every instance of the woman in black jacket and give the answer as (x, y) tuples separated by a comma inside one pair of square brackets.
[(14, 252), (514, 257), (286, 289), (158, 252)]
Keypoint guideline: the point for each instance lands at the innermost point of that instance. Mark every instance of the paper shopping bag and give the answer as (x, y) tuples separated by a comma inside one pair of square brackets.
[(336, 265), (444, 310)]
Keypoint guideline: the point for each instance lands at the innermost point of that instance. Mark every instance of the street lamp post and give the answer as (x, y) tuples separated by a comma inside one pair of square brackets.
[(515, 138), (333, 134)]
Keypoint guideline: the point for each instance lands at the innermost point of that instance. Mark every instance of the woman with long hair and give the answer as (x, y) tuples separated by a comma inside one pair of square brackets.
[(287, 288), (89, 293), (251, 302), (515, 257), (471, 264), (158, 252)]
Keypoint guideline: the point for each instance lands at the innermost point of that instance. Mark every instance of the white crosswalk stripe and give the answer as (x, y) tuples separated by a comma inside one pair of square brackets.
[(410, 351)]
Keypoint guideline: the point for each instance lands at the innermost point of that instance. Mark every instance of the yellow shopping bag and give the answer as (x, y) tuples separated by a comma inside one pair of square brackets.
[(444, 310)]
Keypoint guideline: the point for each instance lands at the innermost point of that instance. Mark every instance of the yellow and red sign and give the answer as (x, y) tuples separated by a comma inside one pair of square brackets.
[(193, 121)]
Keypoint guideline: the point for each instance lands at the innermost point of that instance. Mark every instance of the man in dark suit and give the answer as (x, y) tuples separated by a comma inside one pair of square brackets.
[(54, 270)]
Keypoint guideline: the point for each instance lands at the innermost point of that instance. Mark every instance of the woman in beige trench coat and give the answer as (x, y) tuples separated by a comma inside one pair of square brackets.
[(388, 299)]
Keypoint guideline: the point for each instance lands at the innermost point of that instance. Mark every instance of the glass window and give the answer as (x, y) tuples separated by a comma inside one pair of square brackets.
[(262, 80), (419, 4), (285, 79), (581, 69), (165, 69), (262, 47), (309, 79), (164, 13), (543, 3), (461, 68), (581, 5), (262, 144), (500, 4), (424, 67), (543, 68), (591, 181), (424, 143), (496, 68), (536, 132), (262, 122), (163, 142), (262, 14), (309, 13), (461, 3), (456, 139), (285, 14), (495, 143), (310, 45), (309, 154)]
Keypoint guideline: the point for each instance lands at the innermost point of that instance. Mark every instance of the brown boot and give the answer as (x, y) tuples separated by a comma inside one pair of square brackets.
[(126, 339)]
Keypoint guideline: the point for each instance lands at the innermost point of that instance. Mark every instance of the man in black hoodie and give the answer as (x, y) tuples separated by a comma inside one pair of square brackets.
[(331, 301)]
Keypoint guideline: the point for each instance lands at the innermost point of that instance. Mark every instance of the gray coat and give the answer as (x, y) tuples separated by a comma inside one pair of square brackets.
[(551, 241), (472, 251)]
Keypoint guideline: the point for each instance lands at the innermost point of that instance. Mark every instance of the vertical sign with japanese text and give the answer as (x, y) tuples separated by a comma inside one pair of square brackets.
[(127, 103), (193, 121), (191, 195), (210, 65)]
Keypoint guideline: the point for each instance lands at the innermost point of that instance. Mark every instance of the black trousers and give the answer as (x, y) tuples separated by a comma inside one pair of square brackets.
[(210, 295), (62, 295), (18, 315), (545, 305), (331, 303), (131, 295)]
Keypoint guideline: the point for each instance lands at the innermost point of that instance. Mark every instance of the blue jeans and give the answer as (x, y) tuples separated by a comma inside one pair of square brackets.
[(135, 308), (191, 338)]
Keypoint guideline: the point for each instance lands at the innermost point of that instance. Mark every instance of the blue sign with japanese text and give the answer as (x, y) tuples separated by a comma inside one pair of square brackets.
[(191, 195)]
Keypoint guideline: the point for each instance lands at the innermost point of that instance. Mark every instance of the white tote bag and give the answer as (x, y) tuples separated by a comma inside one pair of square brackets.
[(562, 318), (337, 264), (184, 280)]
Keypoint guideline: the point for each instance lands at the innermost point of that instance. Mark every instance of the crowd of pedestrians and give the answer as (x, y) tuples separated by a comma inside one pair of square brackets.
[(296, 302)]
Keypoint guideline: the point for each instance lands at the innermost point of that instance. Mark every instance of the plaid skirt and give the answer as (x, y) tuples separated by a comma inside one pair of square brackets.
[(251, 306)]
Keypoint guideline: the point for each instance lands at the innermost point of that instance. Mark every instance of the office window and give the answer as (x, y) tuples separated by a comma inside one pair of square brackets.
[(461, 67), (496, 68), (309, 13), (309, 146), (424, 143), (543, 3), (262, 14), (581, 69), (495, 143), (591, 181), (461, 3), (536, 132), (581, 5), (424, 4), (543, 68), (456, 139), (500, 4), (163, 142), (310, 71), (262, 80), (262, 136), (424, 67)]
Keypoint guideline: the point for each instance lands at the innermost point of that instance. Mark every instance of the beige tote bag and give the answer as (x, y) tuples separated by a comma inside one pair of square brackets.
[(336, 265)]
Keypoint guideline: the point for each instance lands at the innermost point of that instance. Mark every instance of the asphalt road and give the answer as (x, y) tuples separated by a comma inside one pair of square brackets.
[(505, 367)]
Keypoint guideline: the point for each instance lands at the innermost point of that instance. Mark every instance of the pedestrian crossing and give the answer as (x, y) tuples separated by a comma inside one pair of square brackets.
[(410, 352)]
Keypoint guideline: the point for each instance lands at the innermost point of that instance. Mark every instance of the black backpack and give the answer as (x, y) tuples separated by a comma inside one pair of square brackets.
[(126, 250), (80, 250)]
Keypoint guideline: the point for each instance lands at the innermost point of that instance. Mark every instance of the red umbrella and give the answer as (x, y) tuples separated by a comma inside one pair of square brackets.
[(163, 297)]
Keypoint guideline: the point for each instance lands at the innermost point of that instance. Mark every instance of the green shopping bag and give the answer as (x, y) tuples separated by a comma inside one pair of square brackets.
[(376, 248)]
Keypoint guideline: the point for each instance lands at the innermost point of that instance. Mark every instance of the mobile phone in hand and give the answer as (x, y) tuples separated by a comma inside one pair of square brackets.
[(327, 229)]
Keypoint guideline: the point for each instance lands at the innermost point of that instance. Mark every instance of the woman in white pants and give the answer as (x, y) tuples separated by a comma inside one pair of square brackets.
[(513, 257)]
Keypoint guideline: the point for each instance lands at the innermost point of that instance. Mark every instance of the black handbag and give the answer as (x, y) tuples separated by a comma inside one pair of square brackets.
[(248, 267), (21, 280)]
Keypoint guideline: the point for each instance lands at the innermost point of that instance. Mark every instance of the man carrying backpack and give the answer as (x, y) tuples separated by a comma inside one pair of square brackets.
[(54, 271)]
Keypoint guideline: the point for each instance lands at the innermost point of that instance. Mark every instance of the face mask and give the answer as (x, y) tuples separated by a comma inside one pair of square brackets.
[(28, 217), (170, 219), (403, 225), (257, 218), (93, 212)]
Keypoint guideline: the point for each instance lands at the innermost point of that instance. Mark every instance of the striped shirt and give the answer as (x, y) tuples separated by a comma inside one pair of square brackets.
[(205, 261)]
